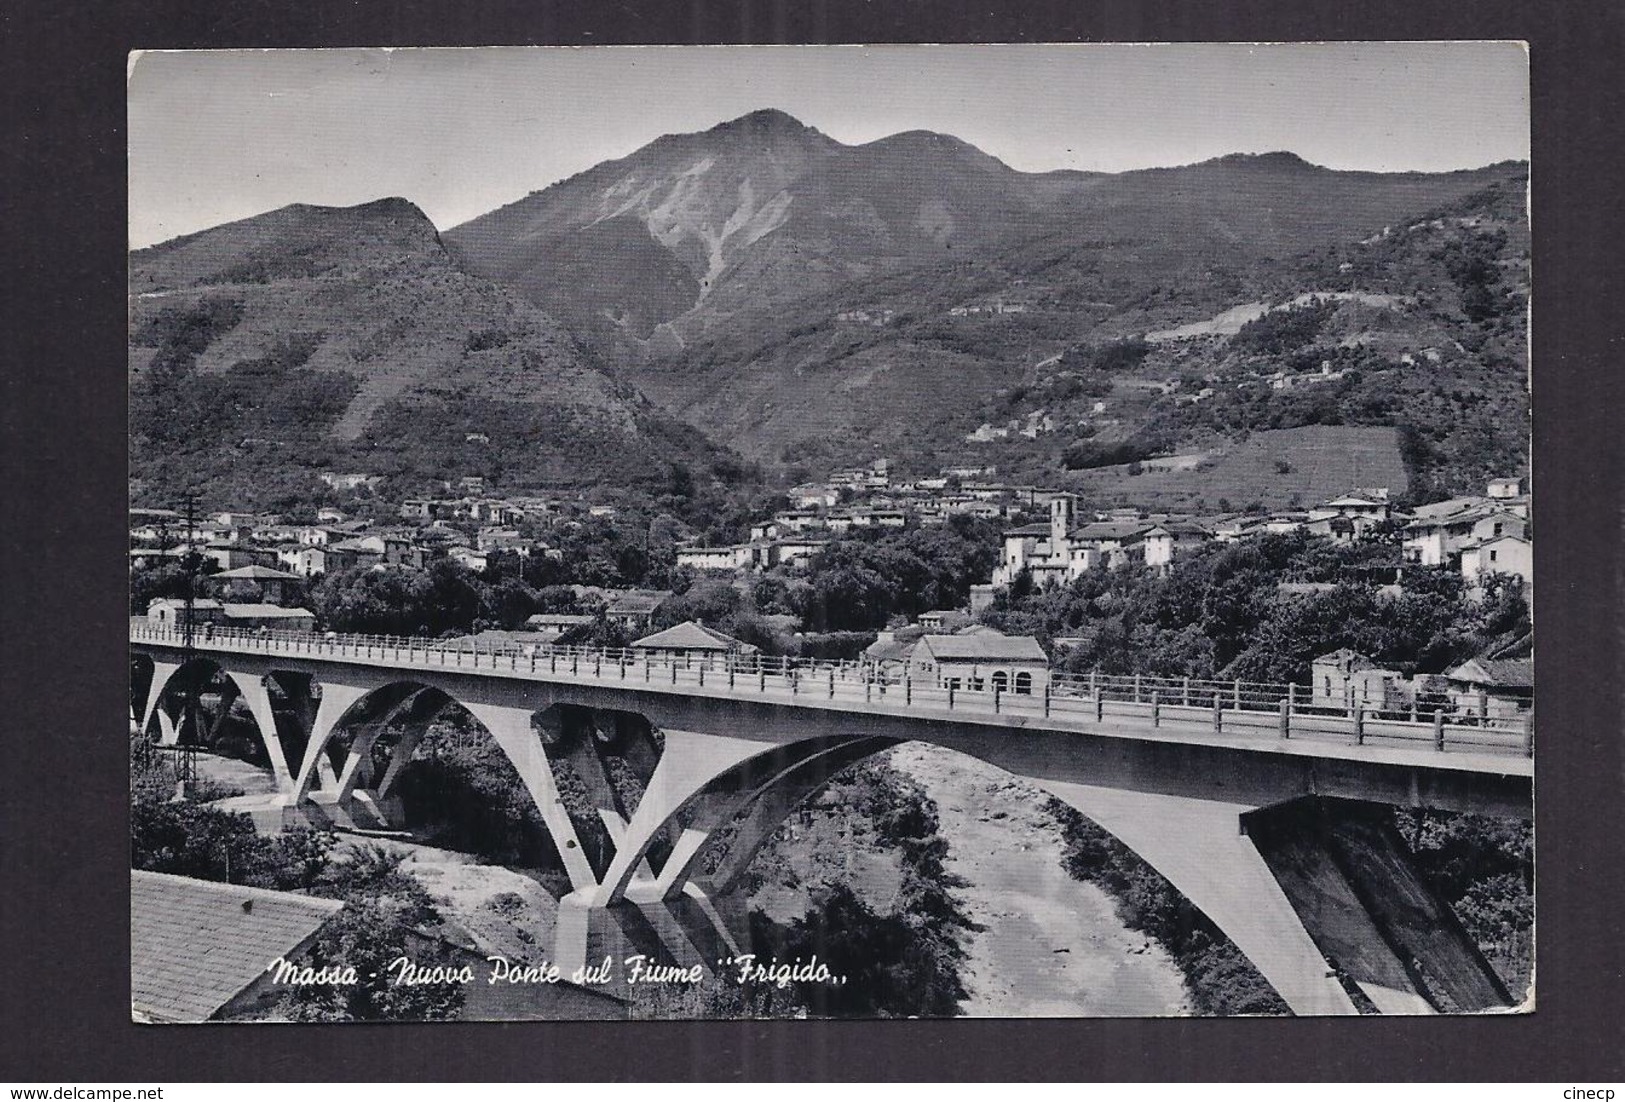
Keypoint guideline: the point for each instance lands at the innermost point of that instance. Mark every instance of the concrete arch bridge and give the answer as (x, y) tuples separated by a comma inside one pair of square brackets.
[(1259, 813)]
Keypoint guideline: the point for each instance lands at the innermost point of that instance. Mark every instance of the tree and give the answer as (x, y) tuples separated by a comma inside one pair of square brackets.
[(148, 583), (186, 837), (384, 908), (601, 631)]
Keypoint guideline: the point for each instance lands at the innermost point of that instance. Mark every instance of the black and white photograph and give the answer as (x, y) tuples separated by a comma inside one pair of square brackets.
[(830, 532)]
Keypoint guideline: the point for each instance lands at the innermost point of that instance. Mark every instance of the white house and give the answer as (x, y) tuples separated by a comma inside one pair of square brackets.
[(798, 520), (1370, 509), (1345, 678), (715, 558), (1493, 688), (981, 662), (814, 496), (793, 550), (1435, 537), (1059, 552), (275, 617), (471, 558), (1164, 541), (1506, 554), (1112, 543), (170, 612)]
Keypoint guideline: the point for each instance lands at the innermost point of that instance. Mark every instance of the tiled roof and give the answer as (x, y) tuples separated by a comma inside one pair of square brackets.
[(1507, 673), (1111, 529), (1508, 538), (196, 944), (895, 649), (1455, 511), (1436, 509), (268, 612), (1348, 659), (635, 602), (691, 635), (1034, 529), (1182, 528), (985, 646)]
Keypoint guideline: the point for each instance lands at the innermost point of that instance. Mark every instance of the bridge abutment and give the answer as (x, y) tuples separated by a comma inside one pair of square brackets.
[(1352, 881), (1199, 847)]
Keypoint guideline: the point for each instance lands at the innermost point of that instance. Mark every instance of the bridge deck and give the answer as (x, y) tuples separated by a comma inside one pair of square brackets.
[(1453, 747)]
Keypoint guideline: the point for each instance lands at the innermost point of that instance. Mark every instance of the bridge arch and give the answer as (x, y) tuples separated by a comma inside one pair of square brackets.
[(736, 795), (157, 691), (236, 692), (363, 738)]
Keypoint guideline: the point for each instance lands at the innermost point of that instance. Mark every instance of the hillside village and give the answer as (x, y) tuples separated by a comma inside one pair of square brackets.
[(257, 563)]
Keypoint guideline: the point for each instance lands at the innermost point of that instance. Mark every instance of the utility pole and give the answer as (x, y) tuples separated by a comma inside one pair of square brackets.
[(186, 735)]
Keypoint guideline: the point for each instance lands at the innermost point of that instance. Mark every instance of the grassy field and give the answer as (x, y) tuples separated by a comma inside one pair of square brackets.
[(1281, 468)]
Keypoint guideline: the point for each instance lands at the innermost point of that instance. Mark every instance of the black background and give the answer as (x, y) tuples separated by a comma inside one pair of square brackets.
[(64, 910)]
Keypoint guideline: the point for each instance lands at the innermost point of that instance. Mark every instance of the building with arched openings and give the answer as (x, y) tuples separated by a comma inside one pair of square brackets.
[(981, 661)]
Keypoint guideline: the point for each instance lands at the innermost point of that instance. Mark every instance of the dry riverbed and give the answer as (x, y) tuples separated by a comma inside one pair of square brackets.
[(1051, 946)]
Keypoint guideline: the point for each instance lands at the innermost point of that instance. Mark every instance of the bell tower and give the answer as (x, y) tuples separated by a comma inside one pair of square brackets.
[(1060, 523)]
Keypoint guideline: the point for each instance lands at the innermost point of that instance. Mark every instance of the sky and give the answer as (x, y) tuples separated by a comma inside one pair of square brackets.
[(215, 136)]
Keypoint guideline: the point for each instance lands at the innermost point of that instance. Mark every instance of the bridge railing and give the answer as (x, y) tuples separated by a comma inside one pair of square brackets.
[(1242, 708)]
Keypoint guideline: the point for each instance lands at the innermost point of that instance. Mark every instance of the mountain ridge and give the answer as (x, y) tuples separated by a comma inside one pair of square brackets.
[(762, 211), (270, 348), (770, 286)]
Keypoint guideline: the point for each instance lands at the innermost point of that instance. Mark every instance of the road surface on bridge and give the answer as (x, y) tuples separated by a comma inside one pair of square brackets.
[(1234, 715)]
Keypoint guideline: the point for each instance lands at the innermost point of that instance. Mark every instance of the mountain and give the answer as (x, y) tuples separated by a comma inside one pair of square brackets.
[(762, 211), (796, 295), (1403, 350), (1021, 341), (311, 337), (752, 211), (812, 303)]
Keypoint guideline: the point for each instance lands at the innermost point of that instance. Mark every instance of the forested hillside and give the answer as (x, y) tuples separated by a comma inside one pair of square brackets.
[(310, 338)]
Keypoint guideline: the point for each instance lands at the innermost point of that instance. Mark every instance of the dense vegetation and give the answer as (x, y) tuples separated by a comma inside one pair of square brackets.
[(898, 962), (463, 793), (1485, 870), (1283, 331), (1430, 338), (1110, 357), (1220, 613), (190, 429), (385, 908), (860, 582)]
